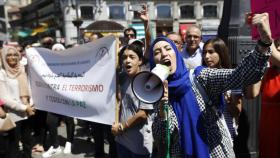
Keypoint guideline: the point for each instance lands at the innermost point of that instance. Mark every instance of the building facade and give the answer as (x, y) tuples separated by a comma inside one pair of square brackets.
[(165, 15)]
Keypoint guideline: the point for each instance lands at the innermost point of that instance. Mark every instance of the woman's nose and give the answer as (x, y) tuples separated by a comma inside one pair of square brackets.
[(164, 52), (207, 55), (127, 60)]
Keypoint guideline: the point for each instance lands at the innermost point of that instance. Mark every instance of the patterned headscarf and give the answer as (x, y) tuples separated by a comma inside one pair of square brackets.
[(184, 103)]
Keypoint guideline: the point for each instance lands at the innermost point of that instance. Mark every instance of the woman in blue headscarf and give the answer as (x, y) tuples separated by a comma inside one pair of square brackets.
[(201, 129)]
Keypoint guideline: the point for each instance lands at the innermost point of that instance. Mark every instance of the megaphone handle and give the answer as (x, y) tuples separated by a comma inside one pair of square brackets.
[(167, 134)]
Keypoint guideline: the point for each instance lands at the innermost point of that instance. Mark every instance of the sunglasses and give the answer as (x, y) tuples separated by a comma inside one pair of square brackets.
[(129, 35)]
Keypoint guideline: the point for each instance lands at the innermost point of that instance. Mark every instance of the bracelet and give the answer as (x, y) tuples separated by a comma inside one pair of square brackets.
[(262, 44)]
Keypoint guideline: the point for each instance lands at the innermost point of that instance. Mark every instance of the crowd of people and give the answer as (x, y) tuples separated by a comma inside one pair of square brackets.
[(203, 96)]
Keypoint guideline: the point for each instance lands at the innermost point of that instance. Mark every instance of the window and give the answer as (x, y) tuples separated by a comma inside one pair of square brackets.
[(87, 12), (187, 11), (210, 11), (163, 11), (116, 12)]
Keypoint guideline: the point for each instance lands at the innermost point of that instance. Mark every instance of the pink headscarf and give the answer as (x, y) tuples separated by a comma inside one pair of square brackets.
[(17, 72)]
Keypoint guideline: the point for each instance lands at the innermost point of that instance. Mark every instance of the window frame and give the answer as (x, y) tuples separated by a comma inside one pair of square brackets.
[(86, 5), (116, 5), (186, 4), (163, 4), (210, 4)]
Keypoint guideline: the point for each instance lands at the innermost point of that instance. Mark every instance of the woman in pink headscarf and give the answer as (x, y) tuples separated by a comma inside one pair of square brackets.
[(16, 95)]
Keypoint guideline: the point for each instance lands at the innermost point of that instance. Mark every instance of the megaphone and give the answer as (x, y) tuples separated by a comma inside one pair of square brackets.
[(148, 86)]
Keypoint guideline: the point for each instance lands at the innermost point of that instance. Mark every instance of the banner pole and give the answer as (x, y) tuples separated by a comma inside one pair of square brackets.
[(118, 97)]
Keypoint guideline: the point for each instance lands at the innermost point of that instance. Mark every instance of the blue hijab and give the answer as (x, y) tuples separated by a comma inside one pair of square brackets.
[(184, 103)]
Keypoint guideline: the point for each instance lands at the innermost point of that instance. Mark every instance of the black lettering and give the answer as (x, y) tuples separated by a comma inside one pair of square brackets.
[(100, 88)]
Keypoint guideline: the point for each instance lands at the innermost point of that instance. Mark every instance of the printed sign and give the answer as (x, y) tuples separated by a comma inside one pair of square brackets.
[(78, 82)]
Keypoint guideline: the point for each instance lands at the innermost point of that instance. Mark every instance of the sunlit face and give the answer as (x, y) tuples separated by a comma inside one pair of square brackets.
[(12, 58), (93, 37), (177, 40), (165, 55), (131, 62), (193, 38), (211, 57)]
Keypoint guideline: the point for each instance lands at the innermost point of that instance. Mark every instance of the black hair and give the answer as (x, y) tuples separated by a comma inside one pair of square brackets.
[(136, 47), (222, 50), (130, 29), (47, 42)]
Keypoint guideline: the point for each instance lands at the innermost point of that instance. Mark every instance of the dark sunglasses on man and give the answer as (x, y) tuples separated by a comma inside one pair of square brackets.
[(47, 44), (130, 35)]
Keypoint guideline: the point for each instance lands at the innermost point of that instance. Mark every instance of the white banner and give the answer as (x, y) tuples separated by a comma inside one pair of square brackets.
[(78, 82)]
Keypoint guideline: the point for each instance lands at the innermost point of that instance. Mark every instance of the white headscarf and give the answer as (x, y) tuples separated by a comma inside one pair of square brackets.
[(58, 47)]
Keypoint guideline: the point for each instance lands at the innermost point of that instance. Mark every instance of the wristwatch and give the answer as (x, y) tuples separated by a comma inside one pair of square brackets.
[(263, 44)]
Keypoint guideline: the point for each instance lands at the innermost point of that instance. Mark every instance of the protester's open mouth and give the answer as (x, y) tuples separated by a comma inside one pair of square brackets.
[(167, 63), (128, 67)]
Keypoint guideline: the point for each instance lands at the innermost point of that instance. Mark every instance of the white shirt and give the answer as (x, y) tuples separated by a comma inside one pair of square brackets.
[(195, 59), (6, 94), (13, 89)]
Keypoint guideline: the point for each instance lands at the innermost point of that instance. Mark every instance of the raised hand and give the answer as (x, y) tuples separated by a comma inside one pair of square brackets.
[(143, 14), (261, 21)]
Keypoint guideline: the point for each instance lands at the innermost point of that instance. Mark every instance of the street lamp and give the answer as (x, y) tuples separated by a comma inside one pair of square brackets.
[(78, 21)]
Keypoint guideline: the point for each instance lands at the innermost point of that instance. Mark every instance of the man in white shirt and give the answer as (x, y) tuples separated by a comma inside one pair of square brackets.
[(192, 53)]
